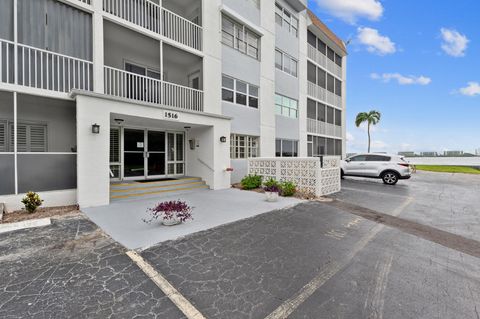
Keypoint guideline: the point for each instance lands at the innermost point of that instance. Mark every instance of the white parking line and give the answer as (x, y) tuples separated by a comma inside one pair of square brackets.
[(291, 304), (178, 299)]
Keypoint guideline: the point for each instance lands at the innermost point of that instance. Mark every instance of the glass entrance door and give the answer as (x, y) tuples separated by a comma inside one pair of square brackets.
[(152, 154), (133, 154), (156, 154)]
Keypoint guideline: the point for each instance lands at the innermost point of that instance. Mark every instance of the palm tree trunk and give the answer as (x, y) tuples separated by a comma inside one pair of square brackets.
[(368, 130)]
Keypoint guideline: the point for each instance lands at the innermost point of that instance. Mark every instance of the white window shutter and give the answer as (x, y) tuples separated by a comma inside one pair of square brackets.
[(3, 137), (38, 138)]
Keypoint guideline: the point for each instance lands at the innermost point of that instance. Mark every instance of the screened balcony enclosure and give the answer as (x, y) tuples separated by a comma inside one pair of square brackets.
[(178, 20), (136, 69), (44, 140)]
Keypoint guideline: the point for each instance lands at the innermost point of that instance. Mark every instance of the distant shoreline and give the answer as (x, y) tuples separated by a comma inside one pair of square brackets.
[(473, 161)]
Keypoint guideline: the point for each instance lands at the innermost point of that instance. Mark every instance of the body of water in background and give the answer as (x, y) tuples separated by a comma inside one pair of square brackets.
[(460, 161)]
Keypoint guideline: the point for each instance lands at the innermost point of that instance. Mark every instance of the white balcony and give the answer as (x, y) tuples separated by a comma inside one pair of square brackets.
[(142, 88), (324, 62), (153, 17), (323, 95), (322, 128), (44, 69)]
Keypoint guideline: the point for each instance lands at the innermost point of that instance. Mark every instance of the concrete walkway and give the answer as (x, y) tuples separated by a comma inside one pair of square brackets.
[(123, 220)]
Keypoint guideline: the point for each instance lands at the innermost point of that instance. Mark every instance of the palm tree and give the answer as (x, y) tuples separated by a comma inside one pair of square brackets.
[(372, 118)]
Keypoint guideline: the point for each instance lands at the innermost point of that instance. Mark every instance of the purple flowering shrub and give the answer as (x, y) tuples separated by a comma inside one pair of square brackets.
[(170, 209), (272, 188)]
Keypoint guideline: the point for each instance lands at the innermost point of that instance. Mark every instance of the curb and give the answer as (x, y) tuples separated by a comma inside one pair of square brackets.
[(4, 228)]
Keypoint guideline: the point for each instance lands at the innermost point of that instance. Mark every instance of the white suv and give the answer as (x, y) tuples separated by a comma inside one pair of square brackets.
[(390, 168)]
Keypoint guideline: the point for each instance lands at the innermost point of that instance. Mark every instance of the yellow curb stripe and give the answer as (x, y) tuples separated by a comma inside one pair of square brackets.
[(136, 183), (152, 187), (159, 192)]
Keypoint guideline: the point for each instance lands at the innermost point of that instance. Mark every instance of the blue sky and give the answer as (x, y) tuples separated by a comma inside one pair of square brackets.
[(415, 61)]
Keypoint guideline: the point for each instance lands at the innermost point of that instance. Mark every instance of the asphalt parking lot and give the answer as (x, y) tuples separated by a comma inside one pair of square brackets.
[(376, 251)]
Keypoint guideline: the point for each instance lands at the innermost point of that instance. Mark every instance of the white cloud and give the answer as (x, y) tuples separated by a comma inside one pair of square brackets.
[(402, 79), (454, 43), (350, 137), (375, 42), (472, 89), (351, 10)]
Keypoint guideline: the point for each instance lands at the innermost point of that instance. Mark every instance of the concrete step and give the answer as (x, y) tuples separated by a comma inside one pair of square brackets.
[(126, 185), (129, 190)]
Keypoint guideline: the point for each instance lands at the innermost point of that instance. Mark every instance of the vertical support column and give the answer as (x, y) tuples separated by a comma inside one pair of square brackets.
[(344, 106), (267, 80), (162, 90), (15, 77), (15, 151), (212, 60), (98, 47), (303, 83)]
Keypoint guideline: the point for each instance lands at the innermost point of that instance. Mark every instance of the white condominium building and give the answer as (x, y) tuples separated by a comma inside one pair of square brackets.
[(93, 92)]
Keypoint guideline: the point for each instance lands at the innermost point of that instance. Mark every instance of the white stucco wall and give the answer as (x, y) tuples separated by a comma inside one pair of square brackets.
[(93, 149)]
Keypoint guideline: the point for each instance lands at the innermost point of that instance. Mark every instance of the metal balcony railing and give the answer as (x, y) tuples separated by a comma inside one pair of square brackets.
[(323, 128), (151, 16), (44, 69), (145, 89)]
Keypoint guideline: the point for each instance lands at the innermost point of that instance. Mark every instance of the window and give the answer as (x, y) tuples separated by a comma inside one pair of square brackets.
[(311, 72), (278, 60), (286, 148), (321, 78), (330, 54), (322, 47), (377, 158), (330, 83), (321, 112), (358, 158), (311, 109), (286, 63), (338, 118), (286, 106), (319, 146), (311, 39), (338, 60), (243, 146), (330, 115), (240, 37), (338, 87), (286, 19), (239, 92)]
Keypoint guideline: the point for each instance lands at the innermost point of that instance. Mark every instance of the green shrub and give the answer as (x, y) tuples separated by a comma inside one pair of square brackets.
[(287, 188), (251, 182), (271, 183), (32, 201)]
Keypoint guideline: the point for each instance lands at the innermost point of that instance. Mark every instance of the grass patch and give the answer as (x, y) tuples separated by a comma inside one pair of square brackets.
[(448, 169)]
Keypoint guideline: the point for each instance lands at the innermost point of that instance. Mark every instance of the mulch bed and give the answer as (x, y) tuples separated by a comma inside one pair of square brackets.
[(298, 194), (44, 212)]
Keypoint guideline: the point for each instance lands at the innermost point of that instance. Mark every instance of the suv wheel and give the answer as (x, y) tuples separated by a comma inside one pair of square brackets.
[(390, 178)]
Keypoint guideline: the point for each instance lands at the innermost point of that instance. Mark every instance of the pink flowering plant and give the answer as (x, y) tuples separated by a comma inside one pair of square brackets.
[(169, 210)]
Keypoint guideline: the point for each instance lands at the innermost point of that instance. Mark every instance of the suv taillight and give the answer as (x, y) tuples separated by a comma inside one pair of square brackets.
[(404, 164)]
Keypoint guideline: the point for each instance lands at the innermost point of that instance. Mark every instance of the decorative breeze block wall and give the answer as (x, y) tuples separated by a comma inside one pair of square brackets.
[(305, 172)]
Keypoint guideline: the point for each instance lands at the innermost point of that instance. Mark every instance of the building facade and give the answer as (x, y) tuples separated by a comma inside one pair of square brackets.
[(100, 91)]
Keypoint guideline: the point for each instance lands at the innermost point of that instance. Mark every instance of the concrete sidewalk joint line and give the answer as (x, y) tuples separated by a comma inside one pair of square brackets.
[(179, 300)]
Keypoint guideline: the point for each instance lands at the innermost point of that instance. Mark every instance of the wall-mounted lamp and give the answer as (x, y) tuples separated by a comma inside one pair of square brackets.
[(187, 128), (96, 128), (119, 121), (223, 139)]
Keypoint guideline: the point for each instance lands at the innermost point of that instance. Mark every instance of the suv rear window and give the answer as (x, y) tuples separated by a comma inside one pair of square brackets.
[(378, 158)]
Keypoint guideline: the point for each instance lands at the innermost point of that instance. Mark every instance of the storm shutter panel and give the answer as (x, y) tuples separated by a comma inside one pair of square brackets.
[(31, 137), (3, 137), (38, 138)]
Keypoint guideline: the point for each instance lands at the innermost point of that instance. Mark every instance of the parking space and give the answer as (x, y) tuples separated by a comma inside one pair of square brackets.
[(313, 260)]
